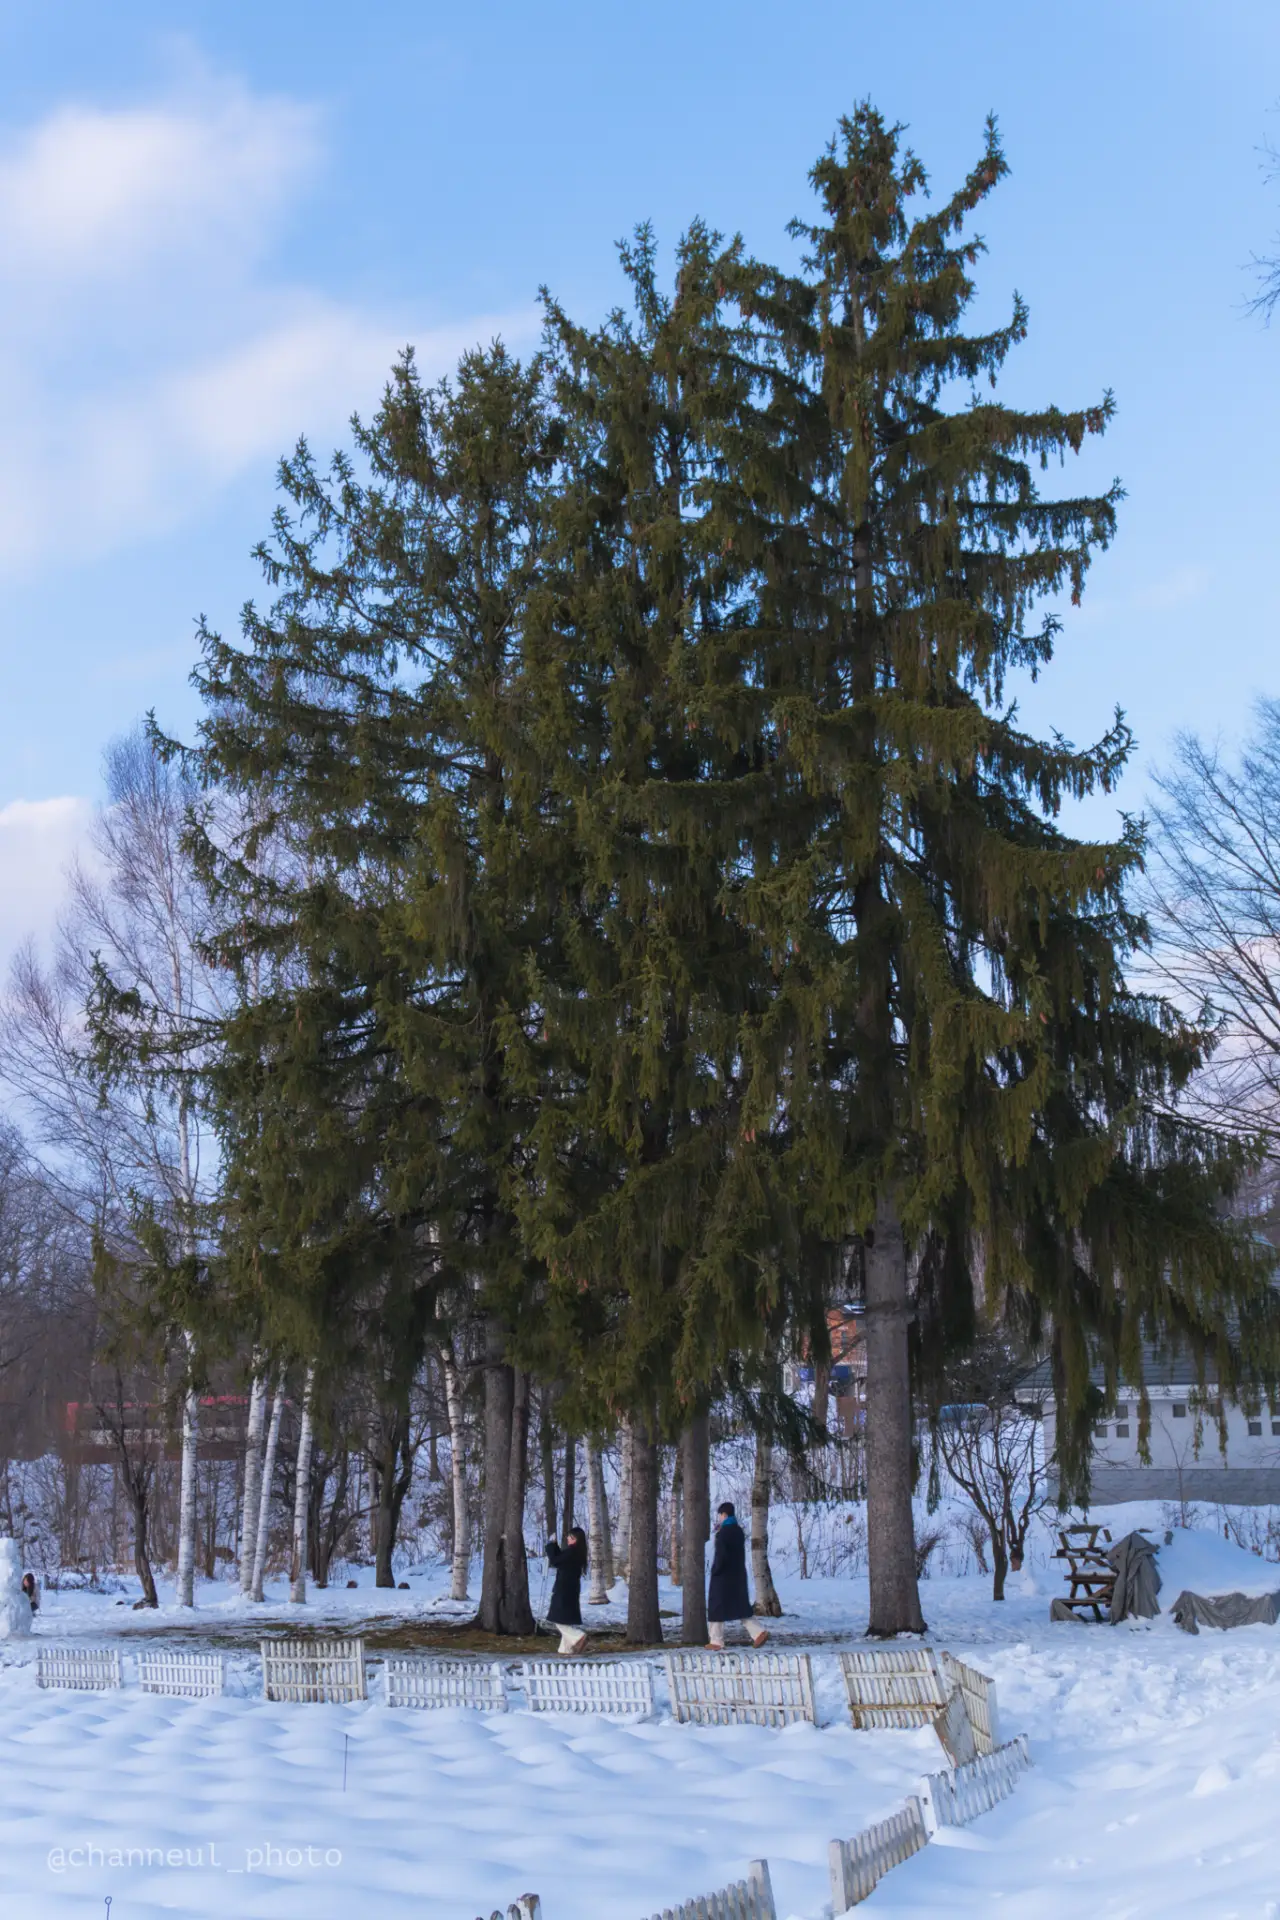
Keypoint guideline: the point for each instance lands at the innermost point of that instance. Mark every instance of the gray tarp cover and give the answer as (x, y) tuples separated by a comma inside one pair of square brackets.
[(1137, 1578), (1225, 1610)]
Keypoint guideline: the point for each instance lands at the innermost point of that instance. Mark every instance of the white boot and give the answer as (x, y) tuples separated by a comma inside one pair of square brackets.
[(572, 1640), (715, 1636)]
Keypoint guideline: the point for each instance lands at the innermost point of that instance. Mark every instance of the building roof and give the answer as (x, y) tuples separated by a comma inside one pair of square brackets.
[(1161, 1367)]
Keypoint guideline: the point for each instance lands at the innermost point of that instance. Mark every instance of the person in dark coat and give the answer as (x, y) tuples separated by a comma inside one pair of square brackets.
[(727, 1595), (570, 1563)]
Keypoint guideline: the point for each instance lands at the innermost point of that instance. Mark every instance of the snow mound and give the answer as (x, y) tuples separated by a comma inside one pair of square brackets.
[(1206, 1563)]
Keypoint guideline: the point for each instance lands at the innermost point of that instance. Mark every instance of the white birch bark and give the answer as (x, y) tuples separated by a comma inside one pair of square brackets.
[(461, 1569), (302, 1495), (252, 1479), (264, 1500), (622, 1549), (598, 1542)]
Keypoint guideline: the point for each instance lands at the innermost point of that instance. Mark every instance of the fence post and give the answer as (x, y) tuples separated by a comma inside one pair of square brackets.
[(843, 1890), (762, 1886)]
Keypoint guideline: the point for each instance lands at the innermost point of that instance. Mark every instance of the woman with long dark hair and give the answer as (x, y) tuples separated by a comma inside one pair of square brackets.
[(569, 1563)]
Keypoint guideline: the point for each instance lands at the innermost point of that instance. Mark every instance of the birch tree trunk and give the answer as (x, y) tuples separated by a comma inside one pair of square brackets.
[(302, 1495), (622, 1549), (252, 1479), (461, 1568), (261, 1537), (767, 1601), (599, 1544)]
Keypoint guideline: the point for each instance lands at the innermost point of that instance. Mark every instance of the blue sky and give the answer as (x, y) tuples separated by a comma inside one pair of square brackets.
[(218, 222)]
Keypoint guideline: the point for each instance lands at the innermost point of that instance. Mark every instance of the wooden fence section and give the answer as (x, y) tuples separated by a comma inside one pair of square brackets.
[(527, 1907), (955, 1730), (727, 1689), (858, 1865), (313, 1670), (605, 1686), (980, 1700), (85, 1667), (954, 1798), (413, 1681), (895, 1686), (749, 1899), (193, 1676)]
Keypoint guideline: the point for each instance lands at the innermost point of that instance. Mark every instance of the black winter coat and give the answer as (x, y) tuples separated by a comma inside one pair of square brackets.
[(570, 1564), (727, 1596)]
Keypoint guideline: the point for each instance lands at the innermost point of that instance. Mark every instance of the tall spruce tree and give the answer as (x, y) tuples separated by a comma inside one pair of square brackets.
[(981, 1096), (652, 1201), (384, 947)]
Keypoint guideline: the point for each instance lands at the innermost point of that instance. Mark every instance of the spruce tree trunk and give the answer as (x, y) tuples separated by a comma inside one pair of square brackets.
[(676, 1528), (187, 1497), (138, 1496), (262, 1535), (517, 1613), (252, 1479), (644, 1624), (569, 1499), (461, 1566), (499, 1393), (504, 1586), (891, 1548), (622, 1546), (546, 1444), (302, 1494), (695, 1461), (766, 1598), (599, 1545), (391, 1435)]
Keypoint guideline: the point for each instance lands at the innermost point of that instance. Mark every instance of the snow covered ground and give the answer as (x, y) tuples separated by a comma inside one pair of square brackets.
[(1156, 1769)]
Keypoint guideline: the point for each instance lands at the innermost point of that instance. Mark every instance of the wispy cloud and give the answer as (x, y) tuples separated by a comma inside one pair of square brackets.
[(37, 841), (150, 350)]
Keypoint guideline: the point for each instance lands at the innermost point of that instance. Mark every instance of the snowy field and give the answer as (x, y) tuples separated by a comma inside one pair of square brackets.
[(1153, 1792)]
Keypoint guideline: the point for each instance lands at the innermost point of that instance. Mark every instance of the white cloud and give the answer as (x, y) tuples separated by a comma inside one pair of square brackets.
[(90, 193), (37, 841), (149, 355)]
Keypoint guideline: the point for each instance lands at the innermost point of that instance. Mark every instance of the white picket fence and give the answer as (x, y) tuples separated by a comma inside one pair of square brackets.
[(749, 1899), (86, 1667), (194, 1676), (415, 1681), (527, 1907), (857, 1865), (729, 1689), (895, 1686), (955, 1730), (604, 1686), (953, 1798), (313, 1670), (979, 1698)]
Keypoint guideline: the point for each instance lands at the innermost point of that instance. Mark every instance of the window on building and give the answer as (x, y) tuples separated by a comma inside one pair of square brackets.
[(1275, 1429), (1099, 1433), (1215, 1409), (1255, 1428), (1179, 1409), (1122, 1431)]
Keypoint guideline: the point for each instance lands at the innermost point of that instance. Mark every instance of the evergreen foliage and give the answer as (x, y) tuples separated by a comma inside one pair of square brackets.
[(642, 893)]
